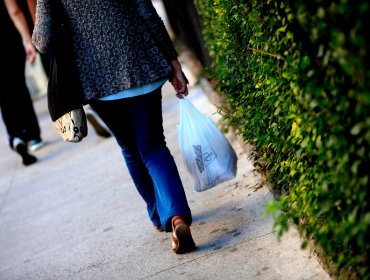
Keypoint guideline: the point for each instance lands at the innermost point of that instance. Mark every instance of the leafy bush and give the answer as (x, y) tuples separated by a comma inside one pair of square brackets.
[(296, 77)]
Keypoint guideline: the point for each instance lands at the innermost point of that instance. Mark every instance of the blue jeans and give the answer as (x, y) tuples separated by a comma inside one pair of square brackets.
[(137, 125)]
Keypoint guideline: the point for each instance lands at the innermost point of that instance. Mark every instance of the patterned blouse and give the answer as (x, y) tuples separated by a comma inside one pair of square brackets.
[(118, 44)]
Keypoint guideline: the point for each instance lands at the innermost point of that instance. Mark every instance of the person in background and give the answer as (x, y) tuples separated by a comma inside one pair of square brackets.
[(15, 101), (124, 55)]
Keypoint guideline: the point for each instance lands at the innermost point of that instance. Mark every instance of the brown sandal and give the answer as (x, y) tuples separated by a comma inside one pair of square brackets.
[(182, 241), (159, 228)]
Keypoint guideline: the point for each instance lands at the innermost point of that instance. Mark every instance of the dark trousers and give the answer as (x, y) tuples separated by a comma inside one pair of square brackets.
[(19, 116), (15, 102), (137, 126)]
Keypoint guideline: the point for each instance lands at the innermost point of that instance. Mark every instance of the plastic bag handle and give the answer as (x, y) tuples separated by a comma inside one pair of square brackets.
[(189, 108)]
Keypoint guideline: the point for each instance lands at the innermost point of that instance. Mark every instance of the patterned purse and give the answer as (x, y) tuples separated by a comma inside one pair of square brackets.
[(72, 126), (64, 99)]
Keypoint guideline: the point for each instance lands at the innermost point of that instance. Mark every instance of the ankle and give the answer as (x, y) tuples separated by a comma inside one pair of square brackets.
[(176, 220)]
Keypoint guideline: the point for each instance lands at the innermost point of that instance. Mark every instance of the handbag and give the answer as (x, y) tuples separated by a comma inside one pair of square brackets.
[(64, 98), (207, 154), (64, 91)]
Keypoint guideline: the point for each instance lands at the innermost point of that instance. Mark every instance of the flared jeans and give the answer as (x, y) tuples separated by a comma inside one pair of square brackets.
[(137, 125)]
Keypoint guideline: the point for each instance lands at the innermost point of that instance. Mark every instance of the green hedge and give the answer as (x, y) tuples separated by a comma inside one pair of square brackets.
[(296, 76)]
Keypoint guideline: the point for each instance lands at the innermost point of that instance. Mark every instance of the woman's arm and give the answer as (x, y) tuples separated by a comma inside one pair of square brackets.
[(156, 28), (32, 8), (20, 22), (159, 32), (178, 79)]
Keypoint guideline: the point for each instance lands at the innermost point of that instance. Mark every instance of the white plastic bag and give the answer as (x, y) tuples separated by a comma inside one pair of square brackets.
[(207, 154)]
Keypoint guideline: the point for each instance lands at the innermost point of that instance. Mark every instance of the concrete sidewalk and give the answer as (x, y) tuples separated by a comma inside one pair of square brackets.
[(76, 215)]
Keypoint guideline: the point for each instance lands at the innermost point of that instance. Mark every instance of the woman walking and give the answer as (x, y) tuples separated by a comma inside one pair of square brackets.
[(124, 55)]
